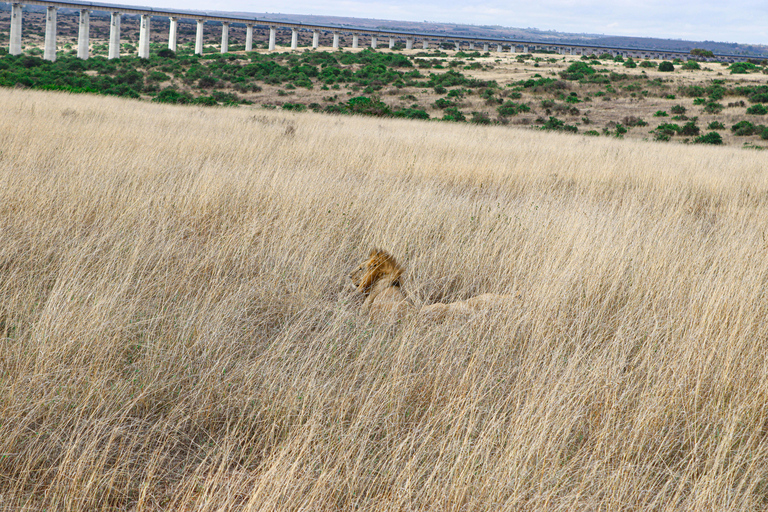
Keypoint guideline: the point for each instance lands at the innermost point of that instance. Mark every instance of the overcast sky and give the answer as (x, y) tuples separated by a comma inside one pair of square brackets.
[(737, 21)]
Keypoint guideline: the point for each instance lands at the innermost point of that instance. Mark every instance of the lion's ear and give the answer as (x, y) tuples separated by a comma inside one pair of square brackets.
[(373, 252)]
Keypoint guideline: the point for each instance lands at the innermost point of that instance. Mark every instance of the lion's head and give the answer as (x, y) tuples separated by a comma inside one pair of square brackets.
[(379, 266)]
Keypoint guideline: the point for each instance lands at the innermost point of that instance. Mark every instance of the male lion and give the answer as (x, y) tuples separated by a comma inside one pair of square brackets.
[(378, 279)]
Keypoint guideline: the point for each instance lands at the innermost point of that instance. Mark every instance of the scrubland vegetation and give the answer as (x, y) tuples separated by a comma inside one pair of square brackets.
[(596, 95), (176, 330)]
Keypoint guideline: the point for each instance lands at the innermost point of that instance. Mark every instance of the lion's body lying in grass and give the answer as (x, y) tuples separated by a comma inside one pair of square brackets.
[(378, 279)]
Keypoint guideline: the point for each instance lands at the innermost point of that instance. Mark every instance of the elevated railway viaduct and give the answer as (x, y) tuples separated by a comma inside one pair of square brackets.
[(201, 17)]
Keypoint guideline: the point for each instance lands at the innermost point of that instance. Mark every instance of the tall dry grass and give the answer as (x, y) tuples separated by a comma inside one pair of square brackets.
[(176, 331)]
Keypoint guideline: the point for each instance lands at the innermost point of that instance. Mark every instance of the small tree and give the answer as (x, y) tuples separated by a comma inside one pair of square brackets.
[(666, 66)]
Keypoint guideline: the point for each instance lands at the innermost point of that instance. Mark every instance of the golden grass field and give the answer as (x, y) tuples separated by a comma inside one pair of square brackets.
[(177, 330)]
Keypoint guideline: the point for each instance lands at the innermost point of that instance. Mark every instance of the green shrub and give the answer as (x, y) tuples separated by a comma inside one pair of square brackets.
[(166, 53), (743, 129), (572, 98), (206, 101), (669, 129), (689, 129), (713, 108), (660, 113), (666, 66), (158, 76), (556, 124), (592, 133), (367, 106), (699, 101), (443, 103), (691, 64), (715, 125), (757, 110), (170, 95), (692, 90), (699, 52), (633, 121), (709, 138), (742, 68), (510, 108), (411, 113), (678, 109), (629, 63), (577, 71), (480, 118), (453, 114), (296, 107), (647, 64)]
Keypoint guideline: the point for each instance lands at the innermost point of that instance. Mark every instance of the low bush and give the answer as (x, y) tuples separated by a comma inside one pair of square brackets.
[(715, 125), (709, 138), (743, 68), (510, 108), (577, 71), (453, 114), (689, 129), (411, 113), (713, 107), (678, 109), (743, 129), (480, 118), (556, 124), (666, 66), (757, 110), (632, 121)]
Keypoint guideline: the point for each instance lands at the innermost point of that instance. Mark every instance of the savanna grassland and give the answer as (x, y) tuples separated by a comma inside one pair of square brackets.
[(177, 331)]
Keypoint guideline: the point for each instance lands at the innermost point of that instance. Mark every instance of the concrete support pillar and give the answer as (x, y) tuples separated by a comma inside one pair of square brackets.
[(224, 36), (425, 45), (249, 37), (498, 48), (485, 47), (373, 42), (355, 40), (457, 45), (471, 46), (173, 33), (272, 34), (391, 42), (50, 34), (15, 47), (525, 49), (294, 39), (83, 34), (114, 36), (144, 37), (199, 37), (315, 38), (409, 43), (335, 40)]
